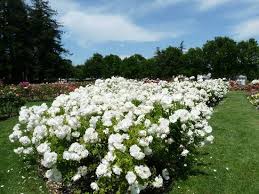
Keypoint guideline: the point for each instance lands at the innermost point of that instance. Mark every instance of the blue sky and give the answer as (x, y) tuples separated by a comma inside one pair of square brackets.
[(125, 27)]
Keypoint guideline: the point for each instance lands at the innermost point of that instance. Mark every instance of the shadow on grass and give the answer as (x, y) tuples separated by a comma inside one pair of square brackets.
[(195, 170)]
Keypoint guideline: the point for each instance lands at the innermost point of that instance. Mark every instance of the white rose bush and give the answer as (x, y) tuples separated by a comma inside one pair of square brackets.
[(119, 135)]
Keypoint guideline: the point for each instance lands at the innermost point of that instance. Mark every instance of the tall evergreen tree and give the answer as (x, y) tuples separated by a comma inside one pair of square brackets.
[(46, 40), (15, 48)]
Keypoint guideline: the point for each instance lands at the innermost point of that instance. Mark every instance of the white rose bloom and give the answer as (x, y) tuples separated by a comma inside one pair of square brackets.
[(115, 141), (94, 186), (142, 133), (93, 121), (147, 151), (43, 147), (136, 152), (90, 136), (102, 169), (143, 171), (110, 157), (117, 170), (54, 175), (165, 174), (170, 141), (62, 131), (208, 129), (210, 138), (158, 182), (28, 151), (25, 140), (75, 152), (181, 114), (184, 152), (76, 177), (19, 150), (16, 135), (39, 133), (131, 177), (49, 159), (75, 134), (81, 171), (147, 123), (124, 124)]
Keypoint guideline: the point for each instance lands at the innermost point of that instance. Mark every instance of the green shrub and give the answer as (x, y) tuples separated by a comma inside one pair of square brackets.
[(254, 99), (10, 103)]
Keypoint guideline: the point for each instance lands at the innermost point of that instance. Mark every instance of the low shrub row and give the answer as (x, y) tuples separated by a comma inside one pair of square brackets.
[(119, 135), (251, 88), (41, 92), (10, 103), (12, 97)]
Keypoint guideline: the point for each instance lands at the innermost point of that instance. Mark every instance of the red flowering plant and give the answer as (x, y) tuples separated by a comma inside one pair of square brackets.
[(252, 88), (47, 91), (233, 85)]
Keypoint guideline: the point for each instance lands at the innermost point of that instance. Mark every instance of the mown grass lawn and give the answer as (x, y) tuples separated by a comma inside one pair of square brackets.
[(15, 177), (230, 165)]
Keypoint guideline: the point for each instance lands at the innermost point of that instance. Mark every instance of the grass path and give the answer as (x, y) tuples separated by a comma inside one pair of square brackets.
[(231, 164), (15, 178)]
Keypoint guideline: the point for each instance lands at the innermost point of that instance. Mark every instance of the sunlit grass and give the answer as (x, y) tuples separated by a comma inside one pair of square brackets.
[(15, 176), (231, 164)]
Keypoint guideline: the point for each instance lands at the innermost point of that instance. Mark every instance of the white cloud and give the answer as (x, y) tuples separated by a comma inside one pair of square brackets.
[(205, 5), (246, 29), (105, 27), (249, 9), (64, 5), (165, 3), (200, 5), (124, 56), (142, 8), (96, 24)]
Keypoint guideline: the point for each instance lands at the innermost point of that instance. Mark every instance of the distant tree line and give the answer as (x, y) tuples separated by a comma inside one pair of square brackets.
[(222, 57), (30, 42), (31, 50)]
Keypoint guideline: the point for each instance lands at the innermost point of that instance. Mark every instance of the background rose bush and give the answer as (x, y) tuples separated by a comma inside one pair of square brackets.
[(46, 91), (251, 88), (10, 103), (119, 135), (41, 92)]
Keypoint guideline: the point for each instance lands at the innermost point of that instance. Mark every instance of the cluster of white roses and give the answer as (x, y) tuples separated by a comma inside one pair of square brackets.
[(111, 131), (255, 81)]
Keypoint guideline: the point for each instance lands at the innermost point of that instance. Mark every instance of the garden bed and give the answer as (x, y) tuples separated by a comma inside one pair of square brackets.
[(118, 133)]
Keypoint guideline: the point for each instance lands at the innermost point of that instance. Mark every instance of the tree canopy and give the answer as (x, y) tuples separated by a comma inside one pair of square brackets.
[(222, 57), (30, 42), (31, 50)]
